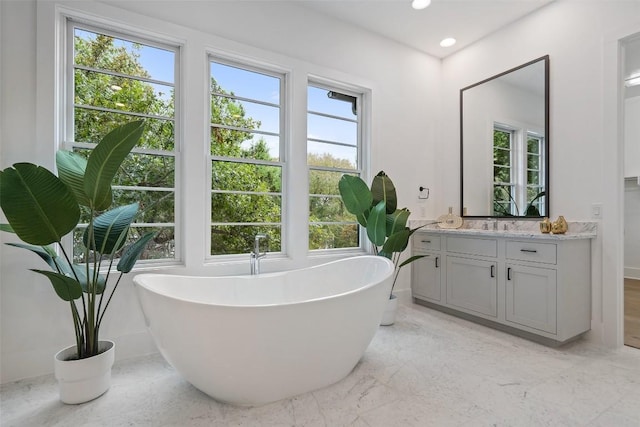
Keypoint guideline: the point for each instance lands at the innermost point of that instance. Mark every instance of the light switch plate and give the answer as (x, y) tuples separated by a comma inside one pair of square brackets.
[(596, 211)]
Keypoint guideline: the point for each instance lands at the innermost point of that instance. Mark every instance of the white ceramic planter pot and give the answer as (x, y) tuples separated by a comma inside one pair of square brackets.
[(83, 380), (389, 315)]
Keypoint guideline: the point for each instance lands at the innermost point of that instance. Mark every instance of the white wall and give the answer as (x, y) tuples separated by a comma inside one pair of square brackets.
[(405, 92), (578, 36)]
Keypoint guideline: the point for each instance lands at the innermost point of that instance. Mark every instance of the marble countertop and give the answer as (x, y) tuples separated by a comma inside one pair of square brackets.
[(509, 228)]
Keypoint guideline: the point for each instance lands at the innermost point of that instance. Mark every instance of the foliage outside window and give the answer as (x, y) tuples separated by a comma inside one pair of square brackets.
[(115, 79), (246, 161), (517, 172), (333, 149)]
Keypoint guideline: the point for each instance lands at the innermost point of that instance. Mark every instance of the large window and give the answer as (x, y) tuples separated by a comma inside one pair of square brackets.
[(518, 175), (246, 157), (115, 78), (333, 149)]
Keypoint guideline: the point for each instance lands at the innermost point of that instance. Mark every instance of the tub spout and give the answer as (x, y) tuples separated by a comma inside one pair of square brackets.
[(256, 255)]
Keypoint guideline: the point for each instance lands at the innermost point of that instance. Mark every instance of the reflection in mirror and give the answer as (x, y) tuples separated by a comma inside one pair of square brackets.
[(504, 127)]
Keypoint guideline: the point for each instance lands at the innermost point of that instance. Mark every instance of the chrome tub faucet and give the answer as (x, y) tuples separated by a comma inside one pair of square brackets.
[(256, 255)]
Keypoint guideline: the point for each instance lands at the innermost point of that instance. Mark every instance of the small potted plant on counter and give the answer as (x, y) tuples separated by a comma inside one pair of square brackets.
[(41, 209), (376, 210)]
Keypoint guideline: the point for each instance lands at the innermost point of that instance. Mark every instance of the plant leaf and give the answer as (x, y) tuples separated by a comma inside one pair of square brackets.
[(410, 260), (397, 221), (7, 228), (384, 254), (110, 229), (87, 284), (38, 250), (38, 205), (376, 225), (532, 210), (382, 188), (363, 218), (105, 160), (71, 167), (133, 252), (80, 271), (67, 288), (397, 242), (355, 194)]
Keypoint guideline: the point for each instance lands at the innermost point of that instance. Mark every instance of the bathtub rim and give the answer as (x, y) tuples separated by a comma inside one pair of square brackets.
[(137, 280)]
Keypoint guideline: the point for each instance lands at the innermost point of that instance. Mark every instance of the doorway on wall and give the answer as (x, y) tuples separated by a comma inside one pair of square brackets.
[(631, 135)]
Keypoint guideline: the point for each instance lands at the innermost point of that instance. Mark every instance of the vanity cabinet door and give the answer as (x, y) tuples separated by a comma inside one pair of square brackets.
[(472, 285), (531, 298), (425, 280)]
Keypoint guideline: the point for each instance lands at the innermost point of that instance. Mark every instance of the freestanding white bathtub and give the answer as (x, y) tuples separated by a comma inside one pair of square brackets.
[(250, 340)]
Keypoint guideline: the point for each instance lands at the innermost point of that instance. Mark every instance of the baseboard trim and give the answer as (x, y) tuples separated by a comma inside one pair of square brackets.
[(632, 273)]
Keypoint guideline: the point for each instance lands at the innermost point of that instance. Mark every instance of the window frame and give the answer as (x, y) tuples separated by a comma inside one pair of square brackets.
[(67, 129), (361, 157), (284, 113), (518, 155)]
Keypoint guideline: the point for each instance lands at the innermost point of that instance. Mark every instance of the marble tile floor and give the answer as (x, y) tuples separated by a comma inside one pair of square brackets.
[(428, 369)]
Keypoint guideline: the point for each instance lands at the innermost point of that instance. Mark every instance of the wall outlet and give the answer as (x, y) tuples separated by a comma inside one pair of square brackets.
[(423, 193), (596, 211)]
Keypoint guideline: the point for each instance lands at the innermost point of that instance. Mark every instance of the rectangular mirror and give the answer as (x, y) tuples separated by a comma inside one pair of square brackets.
[(504, 143)]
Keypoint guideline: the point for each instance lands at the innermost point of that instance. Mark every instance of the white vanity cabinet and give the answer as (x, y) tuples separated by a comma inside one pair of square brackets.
[(539, 287), (472, 285), (531, 288), (531, 297), (426, 272)]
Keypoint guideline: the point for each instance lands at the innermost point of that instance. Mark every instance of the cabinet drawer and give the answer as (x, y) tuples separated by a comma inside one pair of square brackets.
[(426, 242), (531, 251), (473, 246)]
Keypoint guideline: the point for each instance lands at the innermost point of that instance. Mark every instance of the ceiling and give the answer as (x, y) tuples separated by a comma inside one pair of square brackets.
[(465, 20)]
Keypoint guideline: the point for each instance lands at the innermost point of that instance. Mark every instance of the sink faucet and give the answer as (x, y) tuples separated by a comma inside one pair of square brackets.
[(256, 255)]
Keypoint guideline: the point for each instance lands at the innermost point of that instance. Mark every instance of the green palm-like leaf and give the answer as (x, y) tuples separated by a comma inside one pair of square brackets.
[(410, 260), (397, 242), (133, 252), (88, 284), (7, 228), (397, 221), (363, 218), (79, 272), (376, 225), (105, 160), (110, 229), (382, 188), (385, 254), (67, 288), (38, 205), (71, 168), (355, 194), (38, 250)]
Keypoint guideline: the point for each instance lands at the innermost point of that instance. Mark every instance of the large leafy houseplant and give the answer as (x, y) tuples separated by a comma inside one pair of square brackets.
[(376, 209), (42, 208)]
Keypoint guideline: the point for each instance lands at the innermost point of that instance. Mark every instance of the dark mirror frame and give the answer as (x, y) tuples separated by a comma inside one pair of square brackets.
[(547, 211)]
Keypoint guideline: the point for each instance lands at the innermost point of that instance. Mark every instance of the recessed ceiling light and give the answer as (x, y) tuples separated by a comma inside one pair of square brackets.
[(420, 4), (448, 42)]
